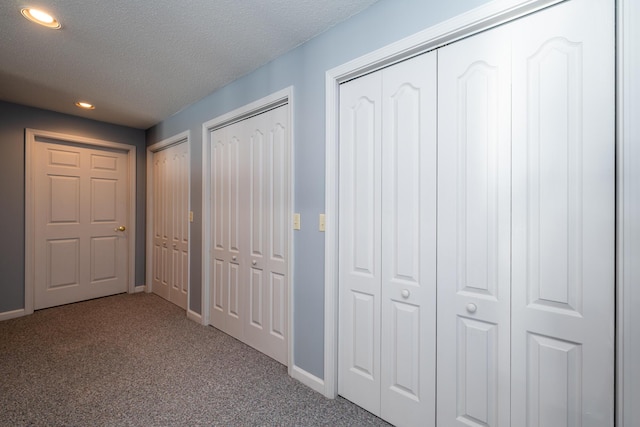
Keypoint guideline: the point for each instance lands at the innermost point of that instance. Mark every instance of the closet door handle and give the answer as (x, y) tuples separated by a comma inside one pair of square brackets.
[(471, 307), (234, 258), (254, 262), (405, 293)]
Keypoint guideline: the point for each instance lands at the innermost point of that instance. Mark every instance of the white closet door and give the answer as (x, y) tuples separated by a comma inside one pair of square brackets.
[(161, 276), (250, 229), (179, 205), (228, 223), (408, 297), (267, 287), (360, 260), (474, 172), (171, 223), (563, 216), (387, 241)]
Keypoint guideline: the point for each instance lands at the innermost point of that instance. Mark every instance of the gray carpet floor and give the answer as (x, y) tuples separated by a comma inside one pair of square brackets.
[(136, 360)]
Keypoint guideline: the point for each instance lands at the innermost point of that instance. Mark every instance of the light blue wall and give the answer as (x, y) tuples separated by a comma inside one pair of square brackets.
[(14, 119), (303, 68)]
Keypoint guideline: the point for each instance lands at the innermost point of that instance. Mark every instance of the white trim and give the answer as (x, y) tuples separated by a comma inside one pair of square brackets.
[(192, 315), (31, 137), (139, 288), (12, 314), (282, 97), (628, 209), (184, 137), (310, 380), (479, 19)]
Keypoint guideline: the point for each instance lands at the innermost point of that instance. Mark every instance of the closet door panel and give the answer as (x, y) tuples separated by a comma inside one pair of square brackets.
[(269, 219), (227, 177), (564, 216), (474, 172), (160, 276), (359, 242), (408, 241), (179, 183)]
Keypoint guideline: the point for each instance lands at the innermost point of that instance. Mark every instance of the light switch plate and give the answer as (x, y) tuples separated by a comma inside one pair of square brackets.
[(190, 216), (321, 224), (296, 221)]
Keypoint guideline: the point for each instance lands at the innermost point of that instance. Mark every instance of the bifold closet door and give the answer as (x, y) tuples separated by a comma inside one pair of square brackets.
[(387, 241), (250, 223), (474, 226), (563, 216), (228, 209), (526, 222), (171, 223), (268, 218)]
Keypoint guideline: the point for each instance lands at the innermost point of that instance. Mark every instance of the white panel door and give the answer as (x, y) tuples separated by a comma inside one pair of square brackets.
[(267, 300), (387, 242), (250, 229), (160, 269), (171, 223), (563, 216), (360, 260), (228, 223), (408, 249), (474, 231), (179, 239), (80, 201)]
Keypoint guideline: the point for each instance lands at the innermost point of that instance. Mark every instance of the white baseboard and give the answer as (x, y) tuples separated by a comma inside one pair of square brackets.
[(139, 288), (192, 315), (12, 314), (308, 379)]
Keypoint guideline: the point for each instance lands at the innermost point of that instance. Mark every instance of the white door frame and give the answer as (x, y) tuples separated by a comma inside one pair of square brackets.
[(32, 136), (277, 99), (628, 179), (628, 212), (181, 138)]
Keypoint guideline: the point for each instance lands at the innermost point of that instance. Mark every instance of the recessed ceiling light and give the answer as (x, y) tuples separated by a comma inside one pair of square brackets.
[(85, 105), (40, 17)]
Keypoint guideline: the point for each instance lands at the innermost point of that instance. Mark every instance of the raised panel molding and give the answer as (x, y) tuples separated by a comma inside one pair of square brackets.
[(555, 197), (405, 121), (363, 334), (477, 368), (277, 183), (554, 387), (363, 119), (64, 158), (477, 180), (278, 295), (64, 203), (406, 354), (63, 263)]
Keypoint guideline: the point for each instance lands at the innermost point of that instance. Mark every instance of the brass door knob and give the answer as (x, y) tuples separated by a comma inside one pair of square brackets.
[(121, 228)]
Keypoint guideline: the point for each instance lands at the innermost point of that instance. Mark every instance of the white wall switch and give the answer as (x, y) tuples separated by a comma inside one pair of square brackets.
[(296, 221), (321, 224), (190, 216)]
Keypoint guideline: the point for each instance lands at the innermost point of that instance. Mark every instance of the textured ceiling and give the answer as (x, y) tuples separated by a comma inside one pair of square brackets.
[(140, 61)]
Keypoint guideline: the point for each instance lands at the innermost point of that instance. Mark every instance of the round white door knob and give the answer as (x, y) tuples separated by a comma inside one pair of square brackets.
[(254, 262), (234, 258), (471, 307), (405, 293)]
